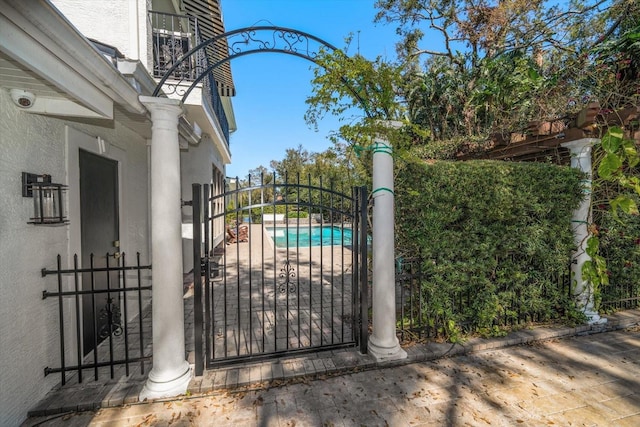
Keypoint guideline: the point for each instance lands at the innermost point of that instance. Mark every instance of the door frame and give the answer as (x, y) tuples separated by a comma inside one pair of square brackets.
[(75, 141)]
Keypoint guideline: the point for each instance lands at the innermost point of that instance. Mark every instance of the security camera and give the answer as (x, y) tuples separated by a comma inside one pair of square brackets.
[(22, 98)]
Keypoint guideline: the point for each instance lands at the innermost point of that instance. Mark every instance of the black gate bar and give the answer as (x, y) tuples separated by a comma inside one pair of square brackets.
[(197, 277), (364, 272)]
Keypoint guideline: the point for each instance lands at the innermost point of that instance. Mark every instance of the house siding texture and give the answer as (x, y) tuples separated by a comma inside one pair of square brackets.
[(117, 28), (29, 325), (196, 166)]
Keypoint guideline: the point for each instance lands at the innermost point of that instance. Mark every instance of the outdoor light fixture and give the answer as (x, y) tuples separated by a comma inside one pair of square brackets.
[(48, 202)]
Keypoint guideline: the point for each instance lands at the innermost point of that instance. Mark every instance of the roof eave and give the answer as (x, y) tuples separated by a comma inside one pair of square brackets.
[(41, 39)]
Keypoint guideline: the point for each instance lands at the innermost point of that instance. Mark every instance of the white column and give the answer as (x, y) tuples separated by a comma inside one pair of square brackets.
[(171, 372), (581, 159), (383, 343)]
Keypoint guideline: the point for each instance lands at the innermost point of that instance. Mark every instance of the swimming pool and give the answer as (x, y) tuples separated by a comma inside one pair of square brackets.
[(305, 236)]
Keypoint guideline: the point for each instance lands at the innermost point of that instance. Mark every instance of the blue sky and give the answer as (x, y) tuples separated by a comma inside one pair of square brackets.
[(272, 88)]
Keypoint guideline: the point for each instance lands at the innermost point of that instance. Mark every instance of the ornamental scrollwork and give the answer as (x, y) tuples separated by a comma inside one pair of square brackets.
[(287, 274), (113, 325), (278, 39)]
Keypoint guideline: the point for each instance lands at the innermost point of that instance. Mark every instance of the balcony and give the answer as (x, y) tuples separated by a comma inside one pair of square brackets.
[(173, 36)]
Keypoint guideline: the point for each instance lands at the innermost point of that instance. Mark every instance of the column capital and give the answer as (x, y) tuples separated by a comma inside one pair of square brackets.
[(579, 145), (391, 124), (581, 153), (381, 138), (165, 114), (155, 103)]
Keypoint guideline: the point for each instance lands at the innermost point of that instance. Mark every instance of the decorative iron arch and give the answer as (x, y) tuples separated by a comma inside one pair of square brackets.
[(248, 40)]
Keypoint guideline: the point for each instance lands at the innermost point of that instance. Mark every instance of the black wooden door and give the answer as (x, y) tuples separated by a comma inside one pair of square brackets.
[(100, 237)]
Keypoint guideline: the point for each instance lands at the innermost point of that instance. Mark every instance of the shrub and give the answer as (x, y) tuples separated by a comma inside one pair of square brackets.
[(297, 214), (494, 237)]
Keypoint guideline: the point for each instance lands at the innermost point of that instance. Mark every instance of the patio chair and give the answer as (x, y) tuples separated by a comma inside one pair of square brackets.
[(237, 234), (243, 233)]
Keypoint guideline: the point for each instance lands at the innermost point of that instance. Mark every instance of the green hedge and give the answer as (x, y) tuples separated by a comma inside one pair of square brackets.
[(620, 246), (494, 237), (297, 214), (257, 213)]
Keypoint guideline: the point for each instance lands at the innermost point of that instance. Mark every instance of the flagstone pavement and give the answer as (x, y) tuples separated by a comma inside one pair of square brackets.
[(559, 376)]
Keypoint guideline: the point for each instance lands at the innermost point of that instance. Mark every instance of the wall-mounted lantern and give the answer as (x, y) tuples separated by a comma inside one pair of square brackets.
[(48, 201)]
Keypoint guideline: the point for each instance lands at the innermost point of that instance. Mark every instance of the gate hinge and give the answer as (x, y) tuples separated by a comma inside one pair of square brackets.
[(186, 202)]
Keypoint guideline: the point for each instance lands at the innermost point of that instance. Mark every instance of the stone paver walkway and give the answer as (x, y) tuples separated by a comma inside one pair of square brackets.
[(591, 379)]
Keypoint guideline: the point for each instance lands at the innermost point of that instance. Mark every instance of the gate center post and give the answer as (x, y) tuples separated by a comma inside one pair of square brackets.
[(383, 343)]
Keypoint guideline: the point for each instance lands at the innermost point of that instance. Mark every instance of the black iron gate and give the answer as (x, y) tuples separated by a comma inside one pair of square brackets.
[(282, 267)]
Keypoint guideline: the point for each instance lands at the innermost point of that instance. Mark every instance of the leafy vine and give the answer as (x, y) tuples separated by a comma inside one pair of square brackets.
[(614, 165)]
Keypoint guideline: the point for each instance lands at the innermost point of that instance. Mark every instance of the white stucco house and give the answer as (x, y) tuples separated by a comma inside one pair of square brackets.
[(76, 79)]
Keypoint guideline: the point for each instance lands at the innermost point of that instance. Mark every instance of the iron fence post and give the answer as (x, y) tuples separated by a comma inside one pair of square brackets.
[(197, 277), (206, 270), (364, 274)]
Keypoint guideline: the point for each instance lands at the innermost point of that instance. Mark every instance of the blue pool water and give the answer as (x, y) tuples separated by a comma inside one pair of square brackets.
[(314, 236)]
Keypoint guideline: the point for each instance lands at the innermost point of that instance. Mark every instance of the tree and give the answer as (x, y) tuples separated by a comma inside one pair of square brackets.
[(501, 64), (293, 163), (361, 92)]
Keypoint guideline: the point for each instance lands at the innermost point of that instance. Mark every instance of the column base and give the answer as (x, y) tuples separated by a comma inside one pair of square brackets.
[(156, 389), (384, 354), (593, 318)]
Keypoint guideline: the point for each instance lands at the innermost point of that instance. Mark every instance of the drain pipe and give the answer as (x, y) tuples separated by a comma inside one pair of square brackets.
[(383, 343)]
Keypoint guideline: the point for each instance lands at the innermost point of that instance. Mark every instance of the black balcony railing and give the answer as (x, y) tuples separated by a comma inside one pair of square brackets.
[(173, 36)]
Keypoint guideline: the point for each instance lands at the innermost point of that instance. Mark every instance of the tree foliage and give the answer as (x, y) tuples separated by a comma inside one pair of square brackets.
[(343, 82), (467, 69)]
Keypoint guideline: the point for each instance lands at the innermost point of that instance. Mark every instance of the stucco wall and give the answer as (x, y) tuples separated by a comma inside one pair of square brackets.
[(29, 324), (196, 166), (122, 23)]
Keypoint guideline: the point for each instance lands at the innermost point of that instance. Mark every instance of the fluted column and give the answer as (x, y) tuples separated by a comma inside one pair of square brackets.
[(171, 373)]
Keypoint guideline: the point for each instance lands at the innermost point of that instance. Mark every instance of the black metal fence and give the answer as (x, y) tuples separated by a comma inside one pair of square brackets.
[(620, 296), (418, 319), (93, 305)]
